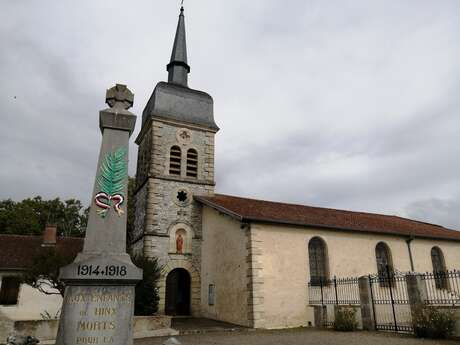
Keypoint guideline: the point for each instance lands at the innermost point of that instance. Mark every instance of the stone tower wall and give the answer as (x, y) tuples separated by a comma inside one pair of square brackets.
[(159, 212)]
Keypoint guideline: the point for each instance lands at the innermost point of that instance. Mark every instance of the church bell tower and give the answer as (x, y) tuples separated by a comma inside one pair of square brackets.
[(175, 163)]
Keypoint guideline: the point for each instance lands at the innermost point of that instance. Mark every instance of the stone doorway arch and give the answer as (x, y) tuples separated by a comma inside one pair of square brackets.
[(194, 285), (178, 292)]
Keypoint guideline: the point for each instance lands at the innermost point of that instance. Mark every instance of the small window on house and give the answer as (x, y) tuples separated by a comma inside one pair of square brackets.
[(439, 268), (9, 291), (317, 254), (384, 260), (211, 294), (174, 160), (192, 163)]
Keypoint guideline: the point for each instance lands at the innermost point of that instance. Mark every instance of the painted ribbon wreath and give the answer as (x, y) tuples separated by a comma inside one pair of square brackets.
[(105, 201)]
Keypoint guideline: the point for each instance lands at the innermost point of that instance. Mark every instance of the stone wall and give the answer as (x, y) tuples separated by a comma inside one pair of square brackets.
[(256, 298), (160, 213), (225, 266)]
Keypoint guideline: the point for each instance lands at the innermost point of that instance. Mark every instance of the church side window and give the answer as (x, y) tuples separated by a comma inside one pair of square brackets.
[(317, 254), (384, 260), (174, 160), (192, 163), (439, 268), (9, 291)]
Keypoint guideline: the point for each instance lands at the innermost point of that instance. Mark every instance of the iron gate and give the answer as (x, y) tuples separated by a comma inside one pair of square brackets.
[(390, 301)]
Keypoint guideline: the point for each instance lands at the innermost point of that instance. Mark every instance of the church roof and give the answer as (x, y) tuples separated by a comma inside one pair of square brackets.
[(252, 210), (178, 103), (17, 252)]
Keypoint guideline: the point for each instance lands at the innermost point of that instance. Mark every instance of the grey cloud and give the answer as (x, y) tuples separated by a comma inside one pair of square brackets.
[(436, 210), (346, 104)]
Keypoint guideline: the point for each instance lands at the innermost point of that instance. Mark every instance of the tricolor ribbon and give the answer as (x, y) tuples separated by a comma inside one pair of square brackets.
[(105, 201)]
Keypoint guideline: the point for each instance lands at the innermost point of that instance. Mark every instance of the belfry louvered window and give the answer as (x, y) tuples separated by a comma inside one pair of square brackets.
[(317, 254), (174, 160), (439, 268), (192, 163)]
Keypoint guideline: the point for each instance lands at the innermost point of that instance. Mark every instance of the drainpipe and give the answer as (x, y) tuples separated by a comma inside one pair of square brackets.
[(408, 242)]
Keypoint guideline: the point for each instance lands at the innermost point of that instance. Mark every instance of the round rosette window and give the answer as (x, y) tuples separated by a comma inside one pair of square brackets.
[(183, 197)]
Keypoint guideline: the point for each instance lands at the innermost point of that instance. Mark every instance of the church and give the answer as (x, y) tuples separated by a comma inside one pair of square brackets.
[(241, 260)]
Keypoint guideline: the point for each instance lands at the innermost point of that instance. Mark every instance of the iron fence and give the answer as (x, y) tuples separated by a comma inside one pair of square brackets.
[(389, 295), (390, 301), (443, 287), (339, 291)]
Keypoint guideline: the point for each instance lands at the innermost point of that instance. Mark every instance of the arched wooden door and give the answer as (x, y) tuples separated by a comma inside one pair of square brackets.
[(177, 299)]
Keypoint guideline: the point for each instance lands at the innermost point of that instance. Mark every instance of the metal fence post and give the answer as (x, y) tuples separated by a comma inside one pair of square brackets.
[(335, 288), (391, 296), (321, 287)]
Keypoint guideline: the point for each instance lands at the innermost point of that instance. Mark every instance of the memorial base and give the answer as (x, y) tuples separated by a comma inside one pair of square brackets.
[(97, 315)]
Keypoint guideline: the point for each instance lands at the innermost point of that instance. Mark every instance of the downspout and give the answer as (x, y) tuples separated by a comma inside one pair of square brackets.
[(408, 242)]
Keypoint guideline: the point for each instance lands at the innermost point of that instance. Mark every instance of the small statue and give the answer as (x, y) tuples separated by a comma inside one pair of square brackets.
[(179, 243)]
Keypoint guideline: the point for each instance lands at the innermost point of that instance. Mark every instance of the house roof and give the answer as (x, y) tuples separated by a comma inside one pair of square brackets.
[(252, 210), (17, 252)]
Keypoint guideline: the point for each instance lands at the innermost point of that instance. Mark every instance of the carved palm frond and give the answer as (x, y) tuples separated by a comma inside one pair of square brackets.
[(113, 172)]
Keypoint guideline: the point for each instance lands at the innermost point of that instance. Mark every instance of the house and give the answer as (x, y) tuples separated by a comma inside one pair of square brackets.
[(241, 260), (17, 253)]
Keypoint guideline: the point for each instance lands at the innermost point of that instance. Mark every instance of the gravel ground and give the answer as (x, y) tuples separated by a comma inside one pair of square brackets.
[(306, 336)]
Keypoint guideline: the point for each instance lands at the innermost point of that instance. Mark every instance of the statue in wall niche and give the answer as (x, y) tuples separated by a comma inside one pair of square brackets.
[(179, 243)]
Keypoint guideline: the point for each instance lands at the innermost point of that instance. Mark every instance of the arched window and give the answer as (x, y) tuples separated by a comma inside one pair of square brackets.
[(174, 160), (385, 268), (317, 254), (439, 268), (192, 163)]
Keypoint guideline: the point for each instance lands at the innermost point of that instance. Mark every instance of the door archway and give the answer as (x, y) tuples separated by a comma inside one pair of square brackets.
[(177, 299)]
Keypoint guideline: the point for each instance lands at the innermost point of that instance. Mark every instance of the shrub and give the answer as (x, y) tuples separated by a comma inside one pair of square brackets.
[(345, 320), (431, 322), (146, 300)]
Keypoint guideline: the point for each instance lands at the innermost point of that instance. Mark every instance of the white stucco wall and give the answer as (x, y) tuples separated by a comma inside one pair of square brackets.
[(285, 267), (31, 303), (421, 253), (224, 265)]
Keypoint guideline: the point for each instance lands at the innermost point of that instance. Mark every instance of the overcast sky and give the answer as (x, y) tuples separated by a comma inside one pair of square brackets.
[(344, 104)]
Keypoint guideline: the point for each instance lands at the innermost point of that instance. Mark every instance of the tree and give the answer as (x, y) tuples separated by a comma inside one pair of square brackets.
[(44, 273), (131, 210), (146, 300), (30, 216)]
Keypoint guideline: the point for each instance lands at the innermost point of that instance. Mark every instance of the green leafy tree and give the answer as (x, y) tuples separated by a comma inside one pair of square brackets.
[(131, 210), (146, 301), (30, 216), (44, 273)]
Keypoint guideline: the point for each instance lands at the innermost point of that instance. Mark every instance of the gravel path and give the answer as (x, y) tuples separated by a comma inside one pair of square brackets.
[(297, 337)]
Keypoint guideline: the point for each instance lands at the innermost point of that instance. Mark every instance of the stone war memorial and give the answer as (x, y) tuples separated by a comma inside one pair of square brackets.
[(98, 303)]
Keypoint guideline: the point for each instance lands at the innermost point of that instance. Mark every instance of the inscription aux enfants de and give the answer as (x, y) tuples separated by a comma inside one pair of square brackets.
[(98, 324)]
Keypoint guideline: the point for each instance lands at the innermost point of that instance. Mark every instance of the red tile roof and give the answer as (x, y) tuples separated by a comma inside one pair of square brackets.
[(18, 251), (251, 210)]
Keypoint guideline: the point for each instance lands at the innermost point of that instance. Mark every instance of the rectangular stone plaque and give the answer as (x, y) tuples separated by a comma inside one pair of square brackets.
[(97, 315)]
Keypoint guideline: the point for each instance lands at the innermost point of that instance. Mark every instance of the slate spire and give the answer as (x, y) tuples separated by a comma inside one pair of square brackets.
[(178, 68)]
